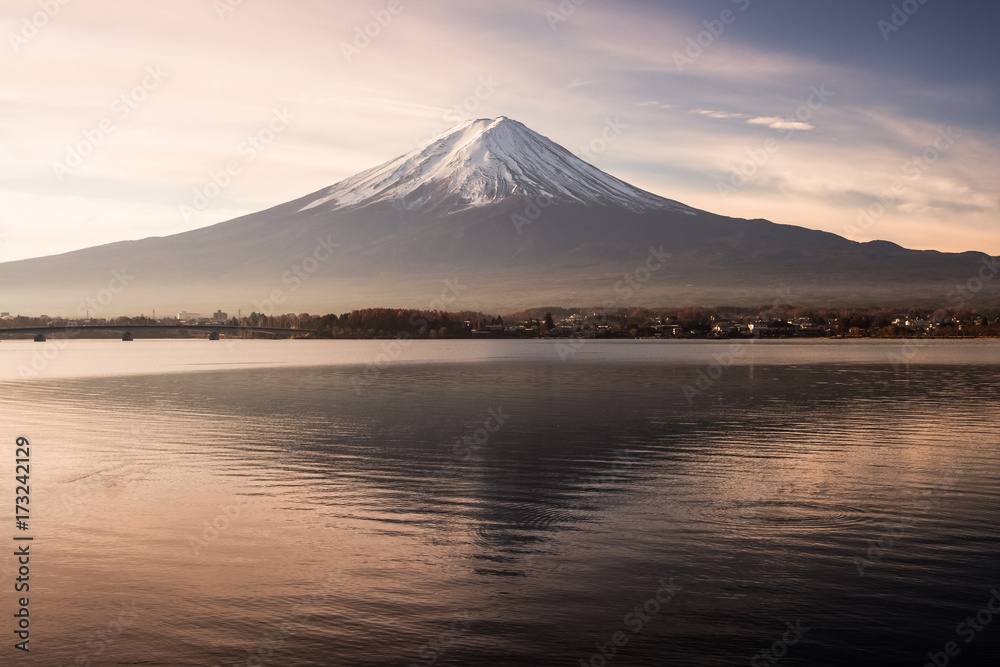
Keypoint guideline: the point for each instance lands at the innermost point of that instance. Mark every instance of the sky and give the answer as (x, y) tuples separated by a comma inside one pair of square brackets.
[(869, 119)]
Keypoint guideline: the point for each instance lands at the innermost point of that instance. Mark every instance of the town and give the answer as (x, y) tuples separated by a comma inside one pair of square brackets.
[(554, 322)]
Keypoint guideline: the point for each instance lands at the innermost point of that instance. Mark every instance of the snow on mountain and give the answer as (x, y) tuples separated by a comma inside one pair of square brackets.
[(484, 161)]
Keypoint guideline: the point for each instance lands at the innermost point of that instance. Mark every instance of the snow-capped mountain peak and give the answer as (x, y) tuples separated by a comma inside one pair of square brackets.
[(481, 162)]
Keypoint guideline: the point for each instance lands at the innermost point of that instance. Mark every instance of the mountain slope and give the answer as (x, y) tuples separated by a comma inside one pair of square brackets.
[(511, 216)]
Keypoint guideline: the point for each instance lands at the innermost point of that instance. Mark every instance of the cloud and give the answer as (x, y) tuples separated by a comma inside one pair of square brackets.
[(776, 123), (718, 114)]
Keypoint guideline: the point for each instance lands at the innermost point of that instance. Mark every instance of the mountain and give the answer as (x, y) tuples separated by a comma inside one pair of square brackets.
[(488, 215), (484, 162)]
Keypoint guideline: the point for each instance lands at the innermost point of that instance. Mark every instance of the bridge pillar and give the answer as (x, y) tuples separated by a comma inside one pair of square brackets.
[(127, 336), (39, 338), (214, 335)]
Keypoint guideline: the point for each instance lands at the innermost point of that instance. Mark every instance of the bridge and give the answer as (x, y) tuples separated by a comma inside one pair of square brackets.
[(128, 330)]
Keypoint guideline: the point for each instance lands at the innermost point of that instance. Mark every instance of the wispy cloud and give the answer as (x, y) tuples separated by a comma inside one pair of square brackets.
[(718, 114), (776, 123)]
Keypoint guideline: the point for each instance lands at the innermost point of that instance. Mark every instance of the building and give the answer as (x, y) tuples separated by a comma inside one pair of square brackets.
[(220, 316)]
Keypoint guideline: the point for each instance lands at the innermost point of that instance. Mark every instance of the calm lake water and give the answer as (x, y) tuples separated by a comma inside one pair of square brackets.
[(505, 503)]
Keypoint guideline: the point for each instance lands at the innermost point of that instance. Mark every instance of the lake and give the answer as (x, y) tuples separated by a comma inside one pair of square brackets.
[(229, 503)]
